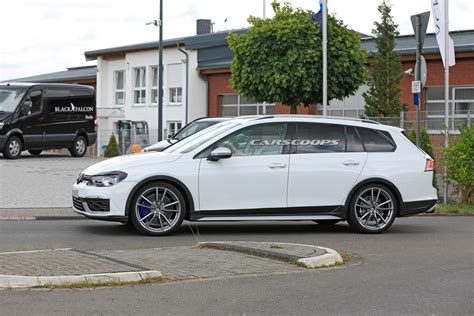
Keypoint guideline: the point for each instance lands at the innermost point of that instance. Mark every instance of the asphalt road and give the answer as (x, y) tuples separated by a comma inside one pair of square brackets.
[(422, 265)]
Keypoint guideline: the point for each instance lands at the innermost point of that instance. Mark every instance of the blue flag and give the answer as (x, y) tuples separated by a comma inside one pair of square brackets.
[(318, 16)]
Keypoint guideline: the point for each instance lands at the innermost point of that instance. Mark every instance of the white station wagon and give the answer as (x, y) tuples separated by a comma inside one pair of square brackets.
[(263, 168)]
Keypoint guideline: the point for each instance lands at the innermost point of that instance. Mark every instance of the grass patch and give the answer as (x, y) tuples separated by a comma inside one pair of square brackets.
[(276, 247), (89, 284), (454, 209), (345, 256)]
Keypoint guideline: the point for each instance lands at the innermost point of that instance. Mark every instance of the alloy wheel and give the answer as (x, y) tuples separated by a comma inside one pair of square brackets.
[(158, 209), (374, 209), (14, 147), (80, 146)]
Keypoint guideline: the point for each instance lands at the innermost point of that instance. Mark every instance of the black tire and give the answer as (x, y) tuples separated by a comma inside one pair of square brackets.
[(35, 152), (366, 209), (327, 222), (79, 147), (13, 148), (161, 218)]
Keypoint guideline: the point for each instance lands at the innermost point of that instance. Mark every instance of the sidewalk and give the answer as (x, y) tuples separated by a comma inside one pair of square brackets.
[(63, 267), (38, 213)]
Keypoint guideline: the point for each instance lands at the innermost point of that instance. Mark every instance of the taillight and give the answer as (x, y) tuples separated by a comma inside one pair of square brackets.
[(95, 123), (429, 166)]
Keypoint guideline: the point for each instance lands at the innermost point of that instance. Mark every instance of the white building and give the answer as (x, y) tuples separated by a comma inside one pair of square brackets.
[(127, 81)]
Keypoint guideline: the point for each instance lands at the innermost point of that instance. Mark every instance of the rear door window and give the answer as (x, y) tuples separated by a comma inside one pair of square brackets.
[(376, 141), (314, 138), (353, 141)]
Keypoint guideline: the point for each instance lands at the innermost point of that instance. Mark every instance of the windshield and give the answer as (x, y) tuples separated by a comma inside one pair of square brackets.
[(196, 140), (9, 99), (192, 128)]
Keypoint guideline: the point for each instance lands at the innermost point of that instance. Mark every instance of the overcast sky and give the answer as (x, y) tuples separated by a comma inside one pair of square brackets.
[(41, 36)]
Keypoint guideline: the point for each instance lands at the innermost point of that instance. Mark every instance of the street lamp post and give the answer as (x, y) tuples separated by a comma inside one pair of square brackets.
[(159, 23)]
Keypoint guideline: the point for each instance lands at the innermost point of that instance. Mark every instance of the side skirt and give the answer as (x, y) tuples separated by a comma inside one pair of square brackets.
[(274, 214)]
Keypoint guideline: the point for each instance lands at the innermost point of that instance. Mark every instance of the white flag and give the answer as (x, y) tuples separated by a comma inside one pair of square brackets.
[(439, 18)]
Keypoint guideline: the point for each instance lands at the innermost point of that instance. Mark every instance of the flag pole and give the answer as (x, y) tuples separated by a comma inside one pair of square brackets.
[(446, 94), (325, 58)]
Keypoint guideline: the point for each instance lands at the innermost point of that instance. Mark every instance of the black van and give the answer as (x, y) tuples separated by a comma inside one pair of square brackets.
[(34, 117)]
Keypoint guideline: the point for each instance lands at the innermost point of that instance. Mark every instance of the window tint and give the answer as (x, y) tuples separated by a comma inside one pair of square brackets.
[(353, 141), (265, 139), (376, 141), (319, 138), (34, 98)]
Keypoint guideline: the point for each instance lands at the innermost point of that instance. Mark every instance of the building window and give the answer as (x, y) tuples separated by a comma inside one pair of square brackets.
[(139, 85), (237, 105), (174, 82), (174, 126), (154, 85), (176, 95), (119, 87), (461, 108)]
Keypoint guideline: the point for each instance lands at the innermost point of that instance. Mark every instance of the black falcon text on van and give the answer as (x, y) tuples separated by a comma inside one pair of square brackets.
[(34, 117)]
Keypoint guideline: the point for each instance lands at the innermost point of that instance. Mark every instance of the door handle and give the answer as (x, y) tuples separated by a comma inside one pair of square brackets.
[(277, 165), (351, 163)]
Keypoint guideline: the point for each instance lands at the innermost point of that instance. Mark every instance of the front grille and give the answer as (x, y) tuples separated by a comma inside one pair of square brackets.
[(77, 204), (98, 205)]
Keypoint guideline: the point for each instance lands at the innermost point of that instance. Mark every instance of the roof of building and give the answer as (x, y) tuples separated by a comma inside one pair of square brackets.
[(70, 74), (406, 44)]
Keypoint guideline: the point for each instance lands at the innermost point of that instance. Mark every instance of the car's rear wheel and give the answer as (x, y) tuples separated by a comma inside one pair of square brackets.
[(13, 148), (327, 222), (373, 209), (158, 209), (79, 147), (35, 152)]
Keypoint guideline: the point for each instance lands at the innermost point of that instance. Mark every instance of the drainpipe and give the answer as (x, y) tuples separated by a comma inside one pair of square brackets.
[(187, 81)]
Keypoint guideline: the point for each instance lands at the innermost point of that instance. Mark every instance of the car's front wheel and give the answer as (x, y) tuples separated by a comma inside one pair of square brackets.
[(373, 209), (158, 209), (79, 147), (13, 148)]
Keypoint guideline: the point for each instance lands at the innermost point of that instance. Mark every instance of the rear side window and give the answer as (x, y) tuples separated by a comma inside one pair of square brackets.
[(319, 138), (376, 141), (353, 141)]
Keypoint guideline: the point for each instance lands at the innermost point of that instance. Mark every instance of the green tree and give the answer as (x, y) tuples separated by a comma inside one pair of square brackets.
[(280, 59), (426, 146), (383, 97), (460, 162), (112, 149)]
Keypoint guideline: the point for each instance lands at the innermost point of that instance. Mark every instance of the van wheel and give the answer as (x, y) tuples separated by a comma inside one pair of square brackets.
[(35, 152), (12, 148), (79, 147), (373, 209)]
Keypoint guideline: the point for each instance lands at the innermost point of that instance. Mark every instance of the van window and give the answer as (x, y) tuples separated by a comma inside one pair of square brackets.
[(376, 141), (319, 138), (35, 100)]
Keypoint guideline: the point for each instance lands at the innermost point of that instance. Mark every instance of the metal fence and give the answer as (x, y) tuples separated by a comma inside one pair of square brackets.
[(127, 139), (433, 122)]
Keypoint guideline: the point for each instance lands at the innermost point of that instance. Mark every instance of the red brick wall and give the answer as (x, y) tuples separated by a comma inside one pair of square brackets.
[(220, 84)]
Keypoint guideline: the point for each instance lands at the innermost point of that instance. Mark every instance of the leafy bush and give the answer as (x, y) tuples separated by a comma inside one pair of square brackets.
[(459, 158), (426, 146), (112, 149)]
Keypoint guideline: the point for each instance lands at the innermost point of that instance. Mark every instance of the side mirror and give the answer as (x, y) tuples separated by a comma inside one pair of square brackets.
[(26, 108), (219, 153)]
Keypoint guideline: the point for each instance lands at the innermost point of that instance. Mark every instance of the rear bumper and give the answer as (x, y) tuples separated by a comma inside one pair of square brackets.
[(416, 207), (92, 137)]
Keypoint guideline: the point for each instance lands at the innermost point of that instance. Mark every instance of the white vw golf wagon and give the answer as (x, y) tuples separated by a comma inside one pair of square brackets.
[(263, 168)]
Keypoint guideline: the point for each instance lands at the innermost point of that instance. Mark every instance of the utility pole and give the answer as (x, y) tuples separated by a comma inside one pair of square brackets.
[(417, 78), (446, 95), (160, 77), (325, 57)]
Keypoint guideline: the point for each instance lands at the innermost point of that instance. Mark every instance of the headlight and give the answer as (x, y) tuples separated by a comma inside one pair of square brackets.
[(106, 179)]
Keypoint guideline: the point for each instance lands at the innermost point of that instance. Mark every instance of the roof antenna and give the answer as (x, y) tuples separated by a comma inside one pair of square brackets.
[(225, 24)]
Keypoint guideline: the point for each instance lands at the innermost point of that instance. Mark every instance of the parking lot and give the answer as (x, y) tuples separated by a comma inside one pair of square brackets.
[(40, 182)]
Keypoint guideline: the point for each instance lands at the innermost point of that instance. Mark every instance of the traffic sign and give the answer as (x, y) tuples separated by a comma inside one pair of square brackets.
[(423, 72), (416, 99), (415, 86), (423, 20)]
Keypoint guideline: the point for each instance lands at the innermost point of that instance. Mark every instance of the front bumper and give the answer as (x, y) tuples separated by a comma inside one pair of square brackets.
[(416, 207), (105, 203)]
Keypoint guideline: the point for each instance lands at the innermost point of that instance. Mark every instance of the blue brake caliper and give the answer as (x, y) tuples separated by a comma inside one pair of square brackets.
[(143, 210)]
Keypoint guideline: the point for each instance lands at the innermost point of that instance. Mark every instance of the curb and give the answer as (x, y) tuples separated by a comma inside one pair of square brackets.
[(38, 213), (21, 281), (328, 258)]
